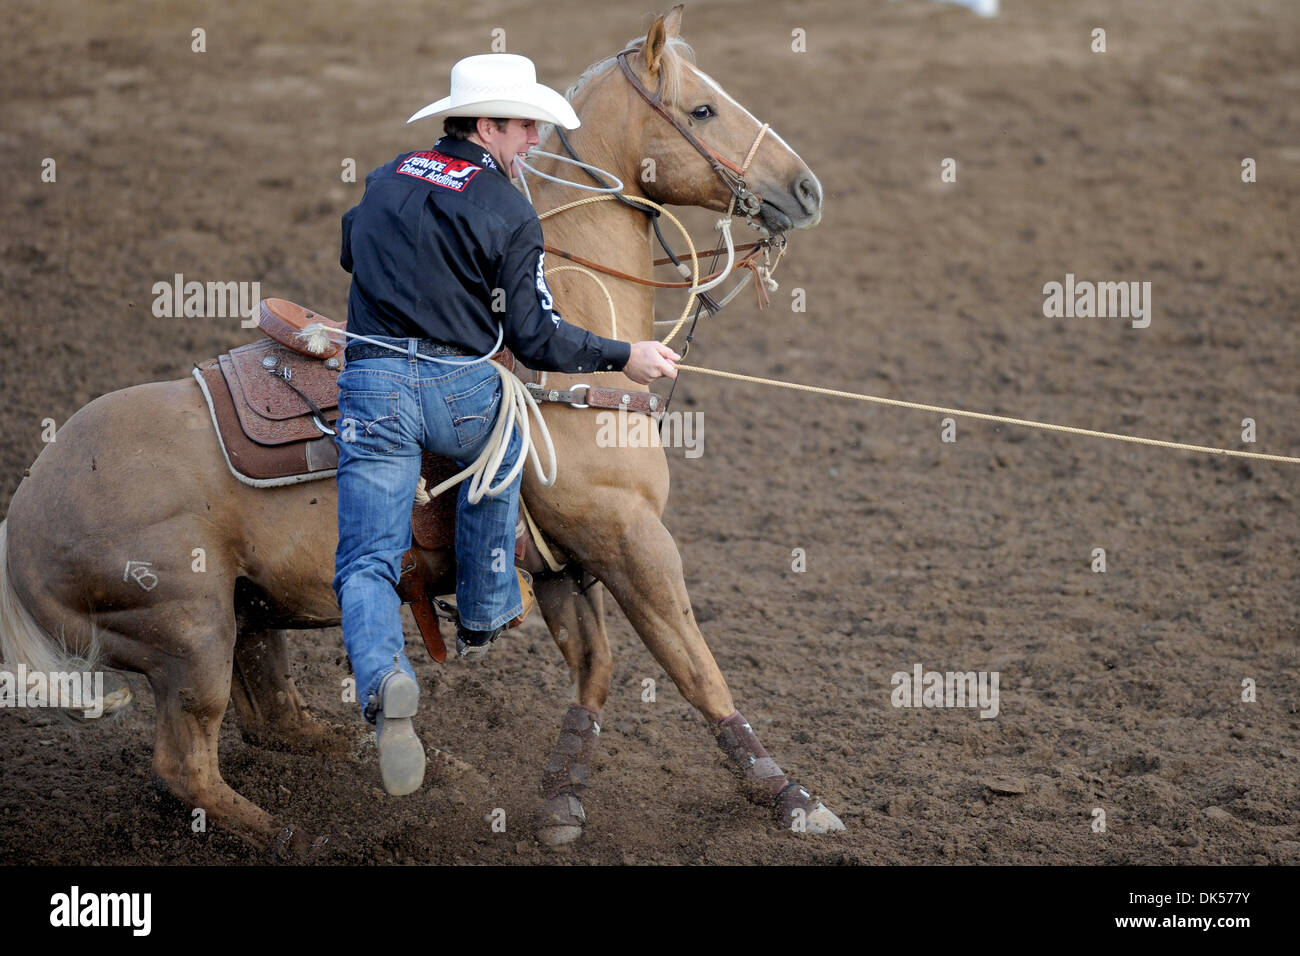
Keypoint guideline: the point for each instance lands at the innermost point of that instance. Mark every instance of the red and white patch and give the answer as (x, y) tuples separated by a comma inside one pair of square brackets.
[(440, 169)]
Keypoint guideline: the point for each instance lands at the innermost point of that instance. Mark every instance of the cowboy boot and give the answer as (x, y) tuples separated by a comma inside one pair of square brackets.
[(401, 755), (474, 645)]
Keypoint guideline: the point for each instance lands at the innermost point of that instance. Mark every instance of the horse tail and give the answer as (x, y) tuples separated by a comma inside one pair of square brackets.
[(24, 642)]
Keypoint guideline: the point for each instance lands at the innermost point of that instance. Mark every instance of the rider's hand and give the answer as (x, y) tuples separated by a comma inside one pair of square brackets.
[(651, 360)]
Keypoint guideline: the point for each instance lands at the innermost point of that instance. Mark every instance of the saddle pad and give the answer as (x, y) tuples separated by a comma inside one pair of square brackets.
[(261, 465), (433, 525)]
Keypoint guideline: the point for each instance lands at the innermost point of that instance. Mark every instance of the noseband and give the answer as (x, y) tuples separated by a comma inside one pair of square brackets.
[(747, 202)]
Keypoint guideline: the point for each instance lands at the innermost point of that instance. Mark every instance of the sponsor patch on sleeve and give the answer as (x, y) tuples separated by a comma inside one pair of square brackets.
[(544, 291), (440, 169)]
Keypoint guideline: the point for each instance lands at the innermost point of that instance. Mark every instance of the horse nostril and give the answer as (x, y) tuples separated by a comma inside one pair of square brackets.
[(809, 193)]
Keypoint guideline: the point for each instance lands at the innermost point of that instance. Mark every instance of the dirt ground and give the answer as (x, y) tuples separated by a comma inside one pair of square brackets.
[(1120, 691)]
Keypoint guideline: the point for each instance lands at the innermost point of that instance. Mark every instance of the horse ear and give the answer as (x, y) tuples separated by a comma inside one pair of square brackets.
[(654, 45), (673, 22)]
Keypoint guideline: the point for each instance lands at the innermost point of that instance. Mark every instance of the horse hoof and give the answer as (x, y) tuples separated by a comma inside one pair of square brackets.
[(558, 836), (116, 700), (821, 820), (560, 820), (796, 810), (294, 846)]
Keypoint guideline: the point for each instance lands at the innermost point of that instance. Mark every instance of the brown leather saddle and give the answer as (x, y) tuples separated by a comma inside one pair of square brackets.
[(273, 404)]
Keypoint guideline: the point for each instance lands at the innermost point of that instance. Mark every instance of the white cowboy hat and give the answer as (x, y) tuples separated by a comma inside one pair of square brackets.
[(500, 85)]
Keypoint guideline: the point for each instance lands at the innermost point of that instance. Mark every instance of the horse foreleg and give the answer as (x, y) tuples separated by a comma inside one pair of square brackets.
[(576, 618), (270, 711), (643, 570)]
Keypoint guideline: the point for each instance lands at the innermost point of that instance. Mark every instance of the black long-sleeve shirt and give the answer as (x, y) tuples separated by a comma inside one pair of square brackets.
[(443, 246)]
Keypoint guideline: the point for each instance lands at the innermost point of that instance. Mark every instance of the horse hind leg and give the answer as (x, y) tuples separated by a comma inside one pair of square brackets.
[(576, 618), (192, 687), (24, 641), (270, 711)]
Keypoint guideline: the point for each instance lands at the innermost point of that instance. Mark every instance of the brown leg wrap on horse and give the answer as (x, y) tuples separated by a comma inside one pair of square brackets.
[(763, 779), (566, 774)]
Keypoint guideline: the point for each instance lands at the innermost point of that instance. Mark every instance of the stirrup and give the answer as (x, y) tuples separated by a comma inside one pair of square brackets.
[(474, 645)]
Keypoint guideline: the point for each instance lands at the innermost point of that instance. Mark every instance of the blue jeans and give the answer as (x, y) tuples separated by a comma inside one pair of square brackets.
[(390, 410)]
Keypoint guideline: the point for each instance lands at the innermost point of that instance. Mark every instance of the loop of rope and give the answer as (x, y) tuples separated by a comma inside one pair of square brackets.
[(695, 263), (723, 226), (516, 402), (535, 151), (609, 299), (983, 416)]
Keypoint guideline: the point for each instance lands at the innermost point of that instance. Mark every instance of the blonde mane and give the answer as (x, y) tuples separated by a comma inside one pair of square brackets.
[(676, 55)]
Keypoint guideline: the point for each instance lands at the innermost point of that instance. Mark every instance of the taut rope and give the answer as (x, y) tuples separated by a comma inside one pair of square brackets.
[(983, 416)]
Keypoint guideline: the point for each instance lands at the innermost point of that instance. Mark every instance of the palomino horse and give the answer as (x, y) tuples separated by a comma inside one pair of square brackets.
[(138, 476)]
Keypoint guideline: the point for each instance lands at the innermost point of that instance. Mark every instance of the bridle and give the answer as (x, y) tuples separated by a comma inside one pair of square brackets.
[(746, 201), (743, 199)]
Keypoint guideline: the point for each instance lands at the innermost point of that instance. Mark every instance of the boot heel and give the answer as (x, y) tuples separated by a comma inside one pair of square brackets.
[(401, 755)]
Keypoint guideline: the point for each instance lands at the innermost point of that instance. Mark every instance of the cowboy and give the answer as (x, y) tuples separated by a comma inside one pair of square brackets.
[(447, 263)]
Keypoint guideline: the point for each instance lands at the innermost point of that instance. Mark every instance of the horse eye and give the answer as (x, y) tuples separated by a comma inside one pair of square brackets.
[(703, 112)]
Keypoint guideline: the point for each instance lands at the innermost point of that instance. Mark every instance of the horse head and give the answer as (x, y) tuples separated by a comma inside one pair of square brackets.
[(672, 132)]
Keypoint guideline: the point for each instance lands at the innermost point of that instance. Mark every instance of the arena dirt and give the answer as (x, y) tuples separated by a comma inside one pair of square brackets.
[(1120, 691)]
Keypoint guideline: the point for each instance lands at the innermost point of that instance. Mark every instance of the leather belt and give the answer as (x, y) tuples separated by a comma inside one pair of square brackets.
[(365, 350)]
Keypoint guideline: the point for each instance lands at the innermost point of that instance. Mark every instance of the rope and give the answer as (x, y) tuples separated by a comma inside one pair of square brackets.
[(592, 170), (538, 540), (749, 157), (982, 416), (515, 403), (695, 263), (316, 339), (613, 316)]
